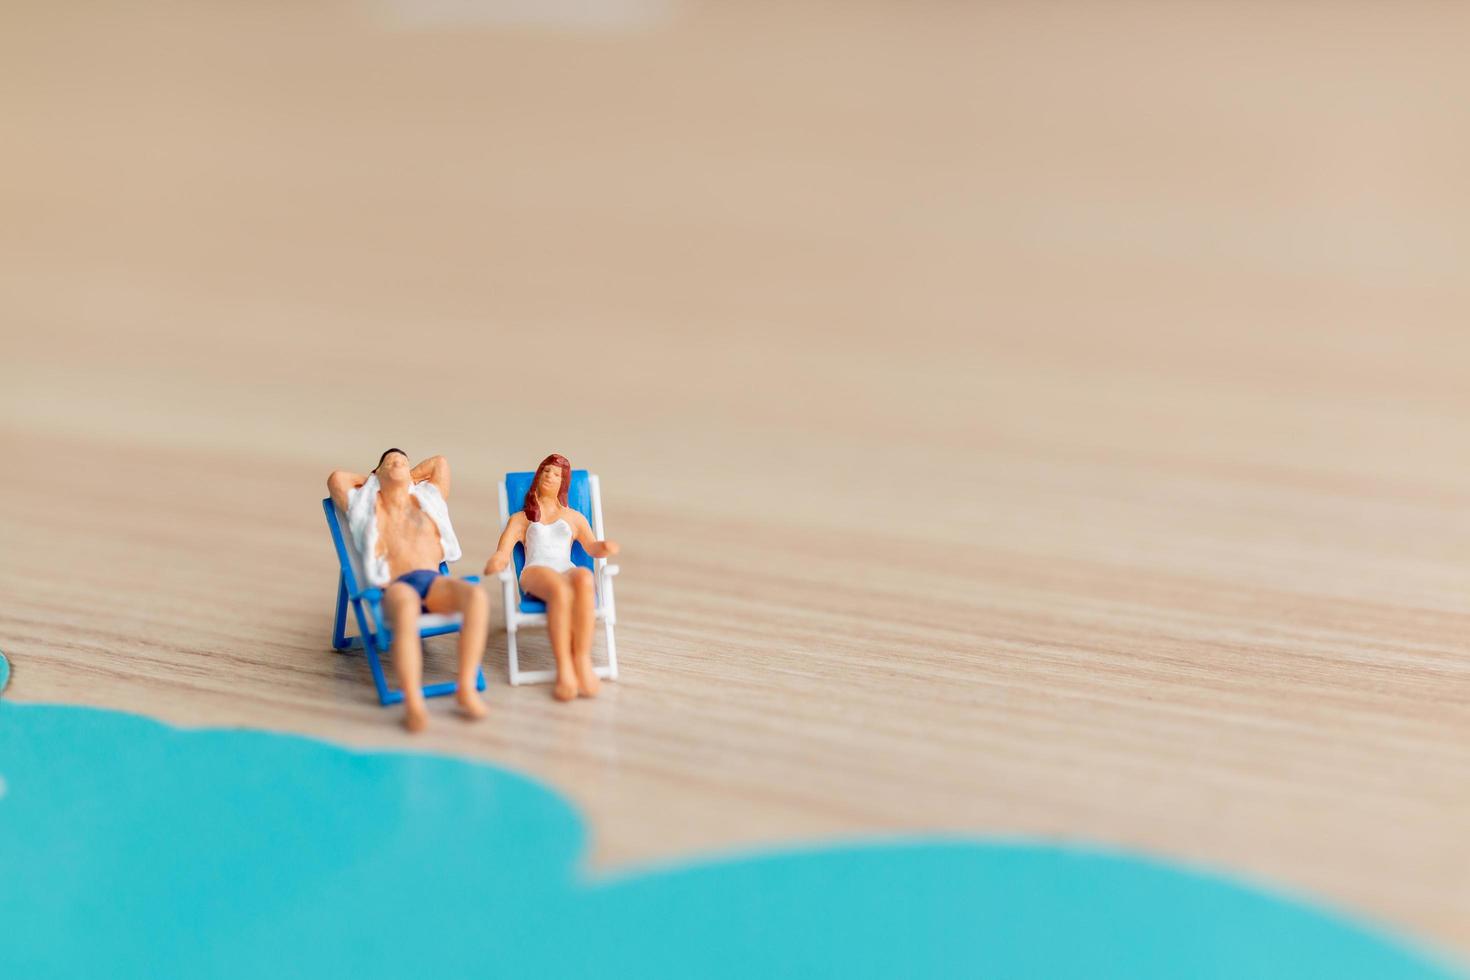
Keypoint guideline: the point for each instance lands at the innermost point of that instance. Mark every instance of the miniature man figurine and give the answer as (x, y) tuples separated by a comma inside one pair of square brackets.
[(399, 521)]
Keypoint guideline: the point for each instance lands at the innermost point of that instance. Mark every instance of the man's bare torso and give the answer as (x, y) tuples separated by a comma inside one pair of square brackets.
[(408, 538)]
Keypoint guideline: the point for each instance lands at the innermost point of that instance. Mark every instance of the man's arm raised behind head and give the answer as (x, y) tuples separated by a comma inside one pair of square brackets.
[(435, 469), (341, 484)]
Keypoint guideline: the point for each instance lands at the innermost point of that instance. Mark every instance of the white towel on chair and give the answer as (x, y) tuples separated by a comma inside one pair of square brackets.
[(362, 526)]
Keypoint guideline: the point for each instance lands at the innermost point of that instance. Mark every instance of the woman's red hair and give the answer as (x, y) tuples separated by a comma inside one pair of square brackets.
[(533, 506)]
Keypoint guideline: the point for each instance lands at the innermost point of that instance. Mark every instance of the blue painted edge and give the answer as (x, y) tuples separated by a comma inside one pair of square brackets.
[(4, 672), (794, 910)]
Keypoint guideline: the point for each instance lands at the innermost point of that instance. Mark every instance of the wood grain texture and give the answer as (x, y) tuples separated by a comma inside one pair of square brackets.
[(1017, 422)]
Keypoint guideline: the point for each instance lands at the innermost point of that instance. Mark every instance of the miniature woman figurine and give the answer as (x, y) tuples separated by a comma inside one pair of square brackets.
[(547, 526)]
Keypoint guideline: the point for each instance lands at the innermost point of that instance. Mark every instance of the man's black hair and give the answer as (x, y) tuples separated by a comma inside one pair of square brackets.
[(385, 456)]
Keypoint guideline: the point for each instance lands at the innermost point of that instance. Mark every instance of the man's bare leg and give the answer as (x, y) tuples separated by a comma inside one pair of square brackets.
[(447, 595), (584, 615), (401, 605), (551, 588)]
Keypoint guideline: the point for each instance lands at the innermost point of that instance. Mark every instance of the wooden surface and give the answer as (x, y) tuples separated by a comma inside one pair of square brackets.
[(1019, 421)]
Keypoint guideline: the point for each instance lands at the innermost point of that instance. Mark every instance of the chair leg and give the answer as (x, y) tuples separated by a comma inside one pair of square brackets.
[(512, 661), (385, 695), (612, 651), (339, 622)]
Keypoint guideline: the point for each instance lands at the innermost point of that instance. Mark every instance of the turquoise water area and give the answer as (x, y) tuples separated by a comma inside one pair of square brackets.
[(132, 849)]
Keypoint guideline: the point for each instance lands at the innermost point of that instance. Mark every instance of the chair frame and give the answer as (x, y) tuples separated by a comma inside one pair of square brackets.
[(511, 593), (367, 603)]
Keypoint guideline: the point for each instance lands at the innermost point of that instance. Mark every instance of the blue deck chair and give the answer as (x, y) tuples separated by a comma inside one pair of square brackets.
[(584, 495), (367, 605)]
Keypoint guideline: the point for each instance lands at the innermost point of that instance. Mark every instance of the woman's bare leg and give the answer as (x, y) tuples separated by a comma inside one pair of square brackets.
[(551, 588), (448, 595), (401, 606), (584, 615)]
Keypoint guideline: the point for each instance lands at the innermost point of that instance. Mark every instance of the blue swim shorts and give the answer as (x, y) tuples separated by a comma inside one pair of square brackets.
[(420, 580)]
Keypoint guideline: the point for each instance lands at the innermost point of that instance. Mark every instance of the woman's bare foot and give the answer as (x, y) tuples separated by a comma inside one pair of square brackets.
[(469, 703), (565, 688), (587, 683), (415, 714)]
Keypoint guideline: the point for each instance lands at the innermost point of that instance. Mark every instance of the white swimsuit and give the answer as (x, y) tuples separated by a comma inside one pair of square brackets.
[(549, 545)]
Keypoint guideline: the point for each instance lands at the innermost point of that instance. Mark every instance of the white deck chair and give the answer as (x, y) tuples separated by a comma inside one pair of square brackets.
[(585, 495)]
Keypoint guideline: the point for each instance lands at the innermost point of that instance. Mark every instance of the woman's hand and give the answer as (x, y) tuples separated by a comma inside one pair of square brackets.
[(496, 564), (608, 549)]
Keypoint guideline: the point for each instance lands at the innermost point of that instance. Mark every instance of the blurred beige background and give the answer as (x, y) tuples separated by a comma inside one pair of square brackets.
[(1039, 419)]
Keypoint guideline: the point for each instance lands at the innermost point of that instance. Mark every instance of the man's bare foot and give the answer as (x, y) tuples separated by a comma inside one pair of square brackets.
[(587, 683), (565, 688), (415, 714), (469, 702)]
